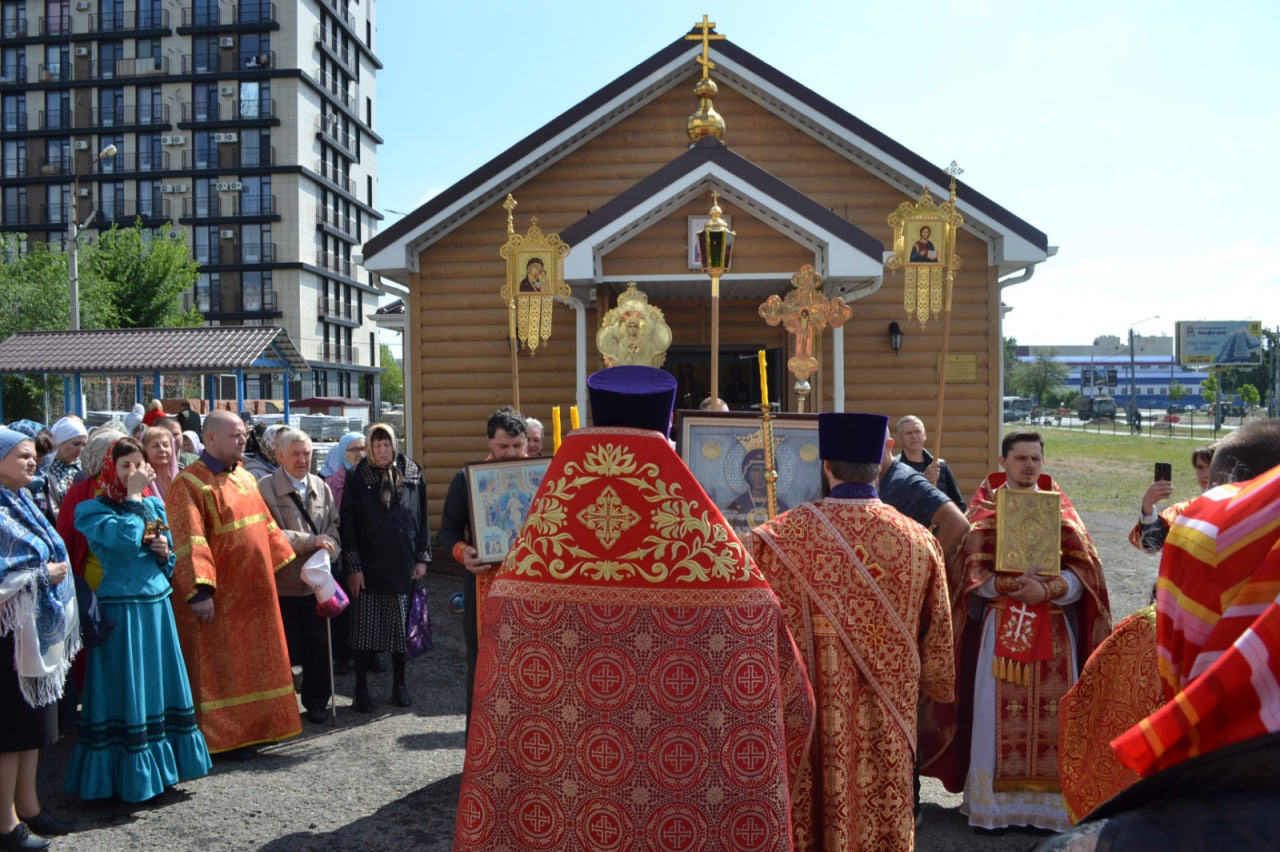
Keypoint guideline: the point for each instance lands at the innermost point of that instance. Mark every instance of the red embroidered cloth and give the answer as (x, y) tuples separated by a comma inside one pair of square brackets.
[(636, 687), (864, 592), (1218, 627)]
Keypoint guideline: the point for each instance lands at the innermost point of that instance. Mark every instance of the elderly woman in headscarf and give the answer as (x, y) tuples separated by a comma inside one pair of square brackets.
[(341, 460), (260, 450), (191, 443), (83, 562), (162, 456), (39, 636), (69, 438), (386, 545)]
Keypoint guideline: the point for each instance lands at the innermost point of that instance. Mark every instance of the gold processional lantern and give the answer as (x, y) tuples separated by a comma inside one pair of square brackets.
[(715, 242)]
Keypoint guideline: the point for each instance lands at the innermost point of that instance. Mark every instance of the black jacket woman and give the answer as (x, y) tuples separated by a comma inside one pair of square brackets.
[(386, 545)]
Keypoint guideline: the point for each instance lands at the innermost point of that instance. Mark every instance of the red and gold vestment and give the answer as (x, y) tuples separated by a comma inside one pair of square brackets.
[(636, 687), (1025, 714), (1118, 686), (863, 590)]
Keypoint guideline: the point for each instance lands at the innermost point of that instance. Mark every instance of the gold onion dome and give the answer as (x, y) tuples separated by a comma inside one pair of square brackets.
[(706, 121)]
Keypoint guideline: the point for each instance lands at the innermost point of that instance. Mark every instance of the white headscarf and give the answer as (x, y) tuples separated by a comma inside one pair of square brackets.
[(67, 428)]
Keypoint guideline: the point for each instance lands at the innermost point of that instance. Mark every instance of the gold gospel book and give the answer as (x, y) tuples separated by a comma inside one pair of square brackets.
[(1028, 532)]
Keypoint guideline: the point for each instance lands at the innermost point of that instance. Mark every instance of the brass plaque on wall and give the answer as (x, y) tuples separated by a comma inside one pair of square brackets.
[(962, 367)]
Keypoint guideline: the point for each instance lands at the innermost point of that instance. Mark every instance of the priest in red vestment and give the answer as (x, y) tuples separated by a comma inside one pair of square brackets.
[(999, 741), (228, 549), (863, 590), (635, 682)]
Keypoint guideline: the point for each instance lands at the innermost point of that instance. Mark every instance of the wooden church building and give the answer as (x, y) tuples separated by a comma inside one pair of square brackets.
[(800, 180)]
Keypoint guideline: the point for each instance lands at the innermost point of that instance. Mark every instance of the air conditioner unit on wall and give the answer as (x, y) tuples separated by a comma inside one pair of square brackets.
[(228, 234), (81, 145), (225, 137), (82, 51), (82, 5), (222, 186), (235, 186), (226, 41), (227, 91), (175, 139), (83, 192)]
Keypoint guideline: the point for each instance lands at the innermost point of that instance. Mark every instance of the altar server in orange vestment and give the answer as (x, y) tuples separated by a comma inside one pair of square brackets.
[(863, 589), (228, 550), (636, 685)]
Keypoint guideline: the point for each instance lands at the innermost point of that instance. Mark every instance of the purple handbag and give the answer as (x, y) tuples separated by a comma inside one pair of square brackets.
[(417, 634)]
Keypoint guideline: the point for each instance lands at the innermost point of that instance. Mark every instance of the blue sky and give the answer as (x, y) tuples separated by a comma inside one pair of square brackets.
[(1139, 136)]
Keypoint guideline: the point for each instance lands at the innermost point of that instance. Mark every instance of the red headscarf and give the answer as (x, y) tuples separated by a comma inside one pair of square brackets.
[(109, 481)]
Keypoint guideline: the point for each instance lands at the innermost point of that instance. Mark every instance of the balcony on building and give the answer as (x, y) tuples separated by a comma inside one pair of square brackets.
[(232, 109), (333, 175), (13, 28), (332, 45), (328, 128), (132, 24), (228, 156), (128, 117), (334, 263), (334, 308), (54, 72), (13, 74), (333, 221), (57, 25), (232, 206), (219, 15)]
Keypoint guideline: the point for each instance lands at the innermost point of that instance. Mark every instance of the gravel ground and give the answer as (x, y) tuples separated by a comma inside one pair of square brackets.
[(389, 781)]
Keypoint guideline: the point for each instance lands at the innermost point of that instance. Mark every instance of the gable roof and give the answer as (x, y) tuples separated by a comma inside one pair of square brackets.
[(152, 350), (394, 252), (847, 257)]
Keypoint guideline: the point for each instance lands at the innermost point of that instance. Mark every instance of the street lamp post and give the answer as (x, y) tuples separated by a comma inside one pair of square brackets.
[(1133, 399), (73, 235)]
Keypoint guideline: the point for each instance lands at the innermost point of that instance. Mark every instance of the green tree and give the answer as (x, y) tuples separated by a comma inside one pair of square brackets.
[(1042, 379), (33, 295), (392, 378), (1209, 388), (135, 278), (1176, 392), (1010, 356), (1249, 395)]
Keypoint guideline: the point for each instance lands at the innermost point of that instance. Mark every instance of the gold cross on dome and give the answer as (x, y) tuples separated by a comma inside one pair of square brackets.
[(706, 37)]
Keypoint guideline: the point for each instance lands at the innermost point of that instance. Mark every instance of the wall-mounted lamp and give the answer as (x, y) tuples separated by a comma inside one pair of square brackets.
[(895, 336)]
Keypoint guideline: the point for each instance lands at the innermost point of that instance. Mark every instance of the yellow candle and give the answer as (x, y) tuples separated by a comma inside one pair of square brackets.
[(555, 429), (573, 416), (764, 381)]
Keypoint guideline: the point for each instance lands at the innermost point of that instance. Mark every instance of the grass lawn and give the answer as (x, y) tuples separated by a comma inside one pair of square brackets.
[(1105, 472)]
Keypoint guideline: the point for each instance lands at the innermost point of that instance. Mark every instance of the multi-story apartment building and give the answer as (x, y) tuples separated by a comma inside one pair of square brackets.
[(247, 126)]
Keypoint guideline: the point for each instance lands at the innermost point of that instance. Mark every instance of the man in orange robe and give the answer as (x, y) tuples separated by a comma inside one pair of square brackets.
[(999, 741), (635, 678), (863, 590), (228, 550)]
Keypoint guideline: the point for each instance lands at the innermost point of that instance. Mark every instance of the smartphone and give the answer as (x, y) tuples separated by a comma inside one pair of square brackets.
[(1164, 472)]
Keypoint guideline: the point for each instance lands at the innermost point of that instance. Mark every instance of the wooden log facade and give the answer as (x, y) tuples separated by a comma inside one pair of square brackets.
[(457, 324)]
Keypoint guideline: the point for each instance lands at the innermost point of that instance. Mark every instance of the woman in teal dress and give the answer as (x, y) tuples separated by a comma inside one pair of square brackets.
[(137, 732)]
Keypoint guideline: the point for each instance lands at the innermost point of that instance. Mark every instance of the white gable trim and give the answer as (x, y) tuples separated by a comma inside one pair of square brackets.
[(835, 260)]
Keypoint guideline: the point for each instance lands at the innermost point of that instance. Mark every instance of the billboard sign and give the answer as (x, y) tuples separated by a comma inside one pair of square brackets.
[(1206, 344)]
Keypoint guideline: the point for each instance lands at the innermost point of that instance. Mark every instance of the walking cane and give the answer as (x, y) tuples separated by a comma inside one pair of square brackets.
[(333, 689)]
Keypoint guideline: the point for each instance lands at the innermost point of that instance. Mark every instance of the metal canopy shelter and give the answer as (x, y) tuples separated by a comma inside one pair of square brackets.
[(155, 351)]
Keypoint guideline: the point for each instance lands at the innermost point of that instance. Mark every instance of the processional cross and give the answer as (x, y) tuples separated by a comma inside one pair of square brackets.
[(805, 313), (706, 37)]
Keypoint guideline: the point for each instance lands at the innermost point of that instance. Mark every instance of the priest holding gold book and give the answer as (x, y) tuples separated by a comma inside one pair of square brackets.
[(1030, 607)]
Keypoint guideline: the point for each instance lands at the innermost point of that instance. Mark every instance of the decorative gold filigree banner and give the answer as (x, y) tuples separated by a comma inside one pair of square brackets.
[(535, 276), (924, 246)]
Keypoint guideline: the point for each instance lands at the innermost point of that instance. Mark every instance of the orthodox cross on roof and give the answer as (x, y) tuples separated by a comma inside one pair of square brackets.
[(706, 37)]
